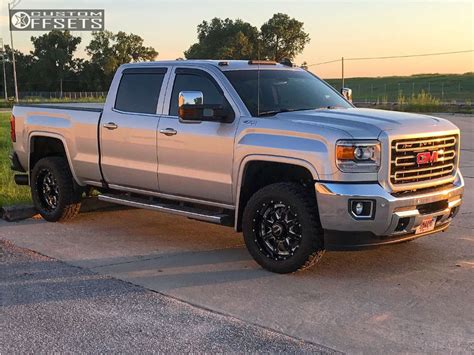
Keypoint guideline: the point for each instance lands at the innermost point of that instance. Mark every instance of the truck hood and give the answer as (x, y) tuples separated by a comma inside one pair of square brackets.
[(367, 123)]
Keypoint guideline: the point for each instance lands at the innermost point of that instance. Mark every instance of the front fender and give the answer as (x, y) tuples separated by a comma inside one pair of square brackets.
[(240, 169)]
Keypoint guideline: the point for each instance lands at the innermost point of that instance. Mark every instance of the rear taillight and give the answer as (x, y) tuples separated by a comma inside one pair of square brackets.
[(12, 128)]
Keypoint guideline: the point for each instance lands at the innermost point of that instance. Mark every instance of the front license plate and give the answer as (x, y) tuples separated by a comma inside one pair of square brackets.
[(426, 225)]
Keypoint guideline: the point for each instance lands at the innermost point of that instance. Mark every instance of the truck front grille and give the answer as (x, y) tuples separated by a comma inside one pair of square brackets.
[(422, 159)]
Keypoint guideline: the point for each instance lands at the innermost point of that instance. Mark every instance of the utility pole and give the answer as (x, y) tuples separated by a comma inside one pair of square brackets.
[(4, 78), (342, 63), (2, 52), (10, 7)]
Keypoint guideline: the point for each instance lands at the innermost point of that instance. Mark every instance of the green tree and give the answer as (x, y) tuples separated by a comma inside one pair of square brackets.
[(129, 48), (224, 39), (27, 78), (101, 51), (90, 77), (283, 37), (109, 50), (53, 57)]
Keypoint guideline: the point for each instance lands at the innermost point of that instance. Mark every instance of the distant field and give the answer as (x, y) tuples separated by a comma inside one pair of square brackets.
[(445, 87), (10, 193)]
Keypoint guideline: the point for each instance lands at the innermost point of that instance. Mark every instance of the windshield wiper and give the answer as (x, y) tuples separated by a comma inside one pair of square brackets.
[(274, 112)]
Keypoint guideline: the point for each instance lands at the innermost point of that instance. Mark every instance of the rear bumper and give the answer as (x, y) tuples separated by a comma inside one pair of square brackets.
[(395, 218), (15, 163)]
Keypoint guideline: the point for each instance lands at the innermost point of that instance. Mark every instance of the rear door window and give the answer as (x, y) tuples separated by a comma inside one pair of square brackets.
[(139, 90)]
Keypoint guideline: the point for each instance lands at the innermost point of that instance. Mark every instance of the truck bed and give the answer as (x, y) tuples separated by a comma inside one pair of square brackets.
[(78, 106), (74, 124)]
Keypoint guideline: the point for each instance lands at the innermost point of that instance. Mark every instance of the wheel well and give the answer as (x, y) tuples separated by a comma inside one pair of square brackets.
[(41, 147), (258, 174)]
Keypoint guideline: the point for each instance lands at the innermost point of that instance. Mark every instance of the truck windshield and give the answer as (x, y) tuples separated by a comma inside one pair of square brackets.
[(283, 91)]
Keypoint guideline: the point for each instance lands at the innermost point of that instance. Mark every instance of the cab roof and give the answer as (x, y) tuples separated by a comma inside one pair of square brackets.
[(223, 65)]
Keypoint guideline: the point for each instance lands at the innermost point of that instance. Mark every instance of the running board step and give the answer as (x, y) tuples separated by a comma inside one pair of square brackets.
[(190, 212)]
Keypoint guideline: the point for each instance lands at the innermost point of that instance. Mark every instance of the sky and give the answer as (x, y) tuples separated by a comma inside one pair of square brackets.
[(337, 29)]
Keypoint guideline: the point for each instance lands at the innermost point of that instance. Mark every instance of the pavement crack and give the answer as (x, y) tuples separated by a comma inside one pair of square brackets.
[(162, 256), (324, 348)]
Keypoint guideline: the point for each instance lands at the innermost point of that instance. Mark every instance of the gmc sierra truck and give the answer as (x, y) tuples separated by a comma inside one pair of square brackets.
[(266, 148)]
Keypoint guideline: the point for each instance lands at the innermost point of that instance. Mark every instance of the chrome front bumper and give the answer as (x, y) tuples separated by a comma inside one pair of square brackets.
[(387, 225)]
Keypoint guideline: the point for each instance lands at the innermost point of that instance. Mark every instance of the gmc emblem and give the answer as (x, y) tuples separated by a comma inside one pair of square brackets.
[(426, 158)]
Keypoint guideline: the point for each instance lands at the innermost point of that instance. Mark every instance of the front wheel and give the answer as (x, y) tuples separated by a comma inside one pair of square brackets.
[(281, 228), (54, 191)]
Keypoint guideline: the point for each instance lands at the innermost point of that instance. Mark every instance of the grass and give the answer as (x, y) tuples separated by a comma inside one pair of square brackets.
[(446, 87), (422, 102), (10, 193)]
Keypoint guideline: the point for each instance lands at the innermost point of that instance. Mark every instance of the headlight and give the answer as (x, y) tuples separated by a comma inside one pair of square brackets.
[(358, 156)]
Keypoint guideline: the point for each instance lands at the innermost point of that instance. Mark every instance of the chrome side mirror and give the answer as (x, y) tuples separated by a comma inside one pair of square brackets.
[(191, 109), (347, 93), (190, 98), (190, 106)]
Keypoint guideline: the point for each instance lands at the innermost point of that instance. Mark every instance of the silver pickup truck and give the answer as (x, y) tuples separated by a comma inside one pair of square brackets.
[(267, 148)]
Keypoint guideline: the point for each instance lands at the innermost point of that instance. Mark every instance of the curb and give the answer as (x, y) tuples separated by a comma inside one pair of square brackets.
[(17, 213)]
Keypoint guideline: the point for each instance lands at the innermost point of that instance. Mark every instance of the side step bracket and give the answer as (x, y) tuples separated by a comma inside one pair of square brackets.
[(185, 211)]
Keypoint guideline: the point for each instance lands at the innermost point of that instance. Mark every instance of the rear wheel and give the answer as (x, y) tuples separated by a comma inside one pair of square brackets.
[(281, 228), (55, 194)]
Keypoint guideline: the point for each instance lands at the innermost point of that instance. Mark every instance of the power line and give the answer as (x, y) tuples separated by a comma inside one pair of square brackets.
[(412, 55), (331, 61), (394, 56)]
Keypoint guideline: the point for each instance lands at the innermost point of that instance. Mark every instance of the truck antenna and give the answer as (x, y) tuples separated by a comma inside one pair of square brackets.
[(258, 78)]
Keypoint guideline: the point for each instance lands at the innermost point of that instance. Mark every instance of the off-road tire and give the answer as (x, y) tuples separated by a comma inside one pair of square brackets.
[(303, 201), (68, 201)]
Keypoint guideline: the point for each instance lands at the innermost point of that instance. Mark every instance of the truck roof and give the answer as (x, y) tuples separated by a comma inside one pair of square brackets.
[(223, 64)]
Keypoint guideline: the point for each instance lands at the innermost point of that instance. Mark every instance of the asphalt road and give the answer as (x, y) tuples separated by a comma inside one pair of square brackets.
[(411, 297)]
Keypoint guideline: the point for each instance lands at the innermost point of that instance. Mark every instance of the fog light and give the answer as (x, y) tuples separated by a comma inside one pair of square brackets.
[(362, 209), (402, 224)]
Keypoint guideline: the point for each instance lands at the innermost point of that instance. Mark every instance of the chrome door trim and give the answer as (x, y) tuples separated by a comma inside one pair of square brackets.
[(172, 197)]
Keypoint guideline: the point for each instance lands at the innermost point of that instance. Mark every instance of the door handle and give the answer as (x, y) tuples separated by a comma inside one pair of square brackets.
[(168, 131), (110, 125)]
